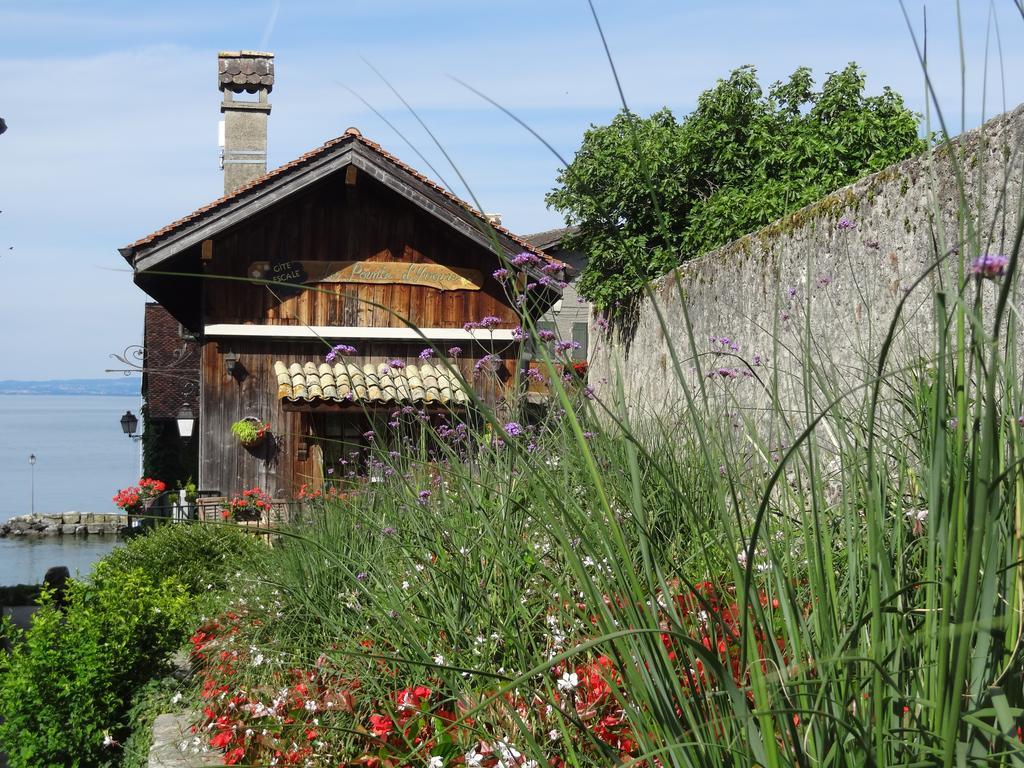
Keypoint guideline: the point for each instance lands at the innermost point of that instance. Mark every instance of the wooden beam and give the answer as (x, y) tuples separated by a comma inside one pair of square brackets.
[(236, 330), (351, 175), (207, 252)]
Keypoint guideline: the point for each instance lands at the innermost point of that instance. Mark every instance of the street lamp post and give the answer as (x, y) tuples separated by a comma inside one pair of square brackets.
[(32, 465)]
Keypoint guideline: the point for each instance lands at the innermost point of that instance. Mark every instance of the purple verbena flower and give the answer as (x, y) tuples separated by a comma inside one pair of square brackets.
[(601, 323), (470, 326), (339, 349), (489, 321), (396, 365), (990, 266), (362, 576), (389, 530), (368, 436), (845, 223), (524, 258), (454, 351), (426, 354), (514, 429), (423, 497), (517, 333), (565, 346), (487, 362), (501, 274), (725, 373), (545, 335)]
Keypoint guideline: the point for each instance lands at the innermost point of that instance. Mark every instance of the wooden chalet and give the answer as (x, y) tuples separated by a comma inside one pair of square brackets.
[(344, 245)]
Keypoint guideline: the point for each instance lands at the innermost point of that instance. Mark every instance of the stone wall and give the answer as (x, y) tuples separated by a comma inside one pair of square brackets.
[(65, 524), (828, 277)]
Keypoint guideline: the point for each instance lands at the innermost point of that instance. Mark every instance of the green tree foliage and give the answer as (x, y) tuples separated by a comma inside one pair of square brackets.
[(648, 193)]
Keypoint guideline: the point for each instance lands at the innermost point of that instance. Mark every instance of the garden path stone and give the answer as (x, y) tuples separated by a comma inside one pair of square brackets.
[(170, 733)]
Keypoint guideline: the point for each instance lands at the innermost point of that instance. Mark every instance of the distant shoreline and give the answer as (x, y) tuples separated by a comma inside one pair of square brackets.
[(72, 394), (121, 387)]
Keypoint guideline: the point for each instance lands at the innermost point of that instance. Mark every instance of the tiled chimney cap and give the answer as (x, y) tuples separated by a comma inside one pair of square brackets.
[(245, 71)]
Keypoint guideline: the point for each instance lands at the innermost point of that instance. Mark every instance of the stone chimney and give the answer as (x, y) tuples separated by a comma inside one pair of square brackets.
[(244, 131)]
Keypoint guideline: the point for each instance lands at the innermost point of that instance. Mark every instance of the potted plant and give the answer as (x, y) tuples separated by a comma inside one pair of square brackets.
[(248, 506), (250, 431), (133, 498)]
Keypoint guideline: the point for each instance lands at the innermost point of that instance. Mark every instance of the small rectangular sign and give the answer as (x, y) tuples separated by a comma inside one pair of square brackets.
[(438, 276)]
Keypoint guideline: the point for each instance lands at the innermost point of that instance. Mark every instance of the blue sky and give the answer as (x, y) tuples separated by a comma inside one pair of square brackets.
[(112, 110)]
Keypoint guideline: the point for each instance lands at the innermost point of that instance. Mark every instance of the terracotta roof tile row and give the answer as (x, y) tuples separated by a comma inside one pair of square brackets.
[(368, 385), (352, 134)]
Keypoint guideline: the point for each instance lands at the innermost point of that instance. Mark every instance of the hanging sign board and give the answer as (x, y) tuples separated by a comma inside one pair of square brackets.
[(289, 277), (438, 276)]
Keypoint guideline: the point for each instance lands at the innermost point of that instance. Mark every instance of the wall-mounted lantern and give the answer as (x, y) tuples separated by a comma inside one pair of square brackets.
[(186, 422), (231, 362), (129, 423)]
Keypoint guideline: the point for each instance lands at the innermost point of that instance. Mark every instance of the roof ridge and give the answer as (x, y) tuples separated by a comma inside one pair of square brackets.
[(350, 134)]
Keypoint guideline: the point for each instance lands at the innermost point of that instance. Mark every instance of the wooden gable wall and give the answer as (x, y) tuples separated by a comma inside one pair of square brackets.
[(332, 221), (335, 221)]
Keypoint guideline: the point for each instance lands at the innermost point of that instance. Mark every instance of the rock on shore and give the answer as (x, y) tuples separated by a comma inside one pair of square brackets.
[(65, 524)]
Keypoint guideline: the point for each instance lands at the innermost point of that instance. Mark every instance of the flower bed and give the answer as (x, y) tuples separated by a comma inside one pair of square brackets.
[(323, 713)]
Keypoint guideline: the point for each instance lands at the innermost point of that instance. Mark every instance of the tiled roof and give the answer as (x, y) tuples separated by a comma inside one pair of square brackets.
[(369, 385), (350, 135), (549, 237)]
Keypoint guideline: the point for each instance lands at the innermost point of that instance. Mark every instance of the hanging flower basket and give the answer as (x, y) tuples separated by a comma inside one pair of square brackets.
[(134, 498), (250, 431)]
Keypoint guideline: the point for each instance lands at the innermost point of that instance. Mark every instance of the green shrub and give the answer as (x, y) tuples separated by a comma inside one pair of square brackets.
[(65, 687), (200, 557)]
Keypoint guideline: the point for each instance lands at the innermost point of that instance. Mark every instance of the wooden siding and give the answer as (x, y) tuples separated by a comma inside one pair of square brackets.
[(336, 222), (228, 467)]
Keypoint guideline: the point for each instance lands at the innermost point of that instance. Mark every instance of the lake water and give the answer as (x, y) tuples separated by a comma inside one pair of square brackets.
[(82, 459), (25, 561)]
